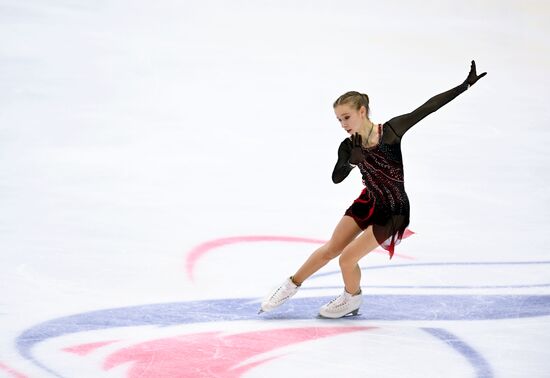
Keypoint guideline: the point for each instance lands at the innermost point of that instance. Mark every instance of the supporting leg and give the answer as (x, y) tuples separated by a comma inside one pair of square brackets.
[(357, 249)]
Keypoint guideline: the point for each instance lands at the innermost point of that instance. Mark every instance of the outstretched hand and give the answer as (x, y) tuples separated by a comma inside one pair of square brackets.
[(356, 153), (473, 76)]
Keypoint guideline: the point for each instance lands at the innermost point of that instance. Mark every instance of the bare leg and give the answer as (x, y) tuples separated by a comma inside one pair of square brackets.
[(351, 255), (343, 234)]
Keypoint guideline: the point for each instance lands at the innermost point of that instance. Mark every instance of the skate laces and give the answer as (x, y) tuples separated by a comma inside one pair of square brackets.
[(283, 292), (339, 301)]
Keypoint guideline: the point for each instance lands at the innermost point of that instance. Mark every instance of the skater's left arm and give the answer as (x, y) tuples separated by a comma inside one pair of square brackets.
[(402, 123)]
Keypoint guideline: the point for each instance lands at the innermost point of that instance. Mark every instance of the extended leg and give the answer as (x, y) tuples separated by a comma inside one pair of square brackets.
[(343, 234)]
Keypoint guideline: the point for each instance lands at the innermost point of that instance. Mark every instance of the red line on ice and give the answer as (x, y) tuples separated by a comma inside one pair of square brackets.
[(199, 251), (85, 349), (11, 371)]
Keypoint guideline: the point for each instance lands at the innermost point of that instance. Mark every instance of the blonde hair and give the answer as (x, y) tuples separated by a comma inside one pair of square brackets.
[(354, 99)]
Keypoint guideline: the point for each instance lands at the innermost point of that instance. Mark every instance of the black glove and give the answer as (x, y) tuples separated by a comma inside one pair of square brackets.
[(356, 153), (472, 76)]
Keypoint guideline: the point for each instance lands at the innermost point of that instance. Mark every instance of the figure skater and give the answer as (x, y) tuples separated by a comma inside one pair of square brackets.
[(380, 215)]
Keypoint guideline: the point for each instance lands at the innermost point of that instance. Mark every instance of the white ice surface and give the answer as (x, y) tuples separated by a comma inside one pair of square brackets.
[(133, 131)]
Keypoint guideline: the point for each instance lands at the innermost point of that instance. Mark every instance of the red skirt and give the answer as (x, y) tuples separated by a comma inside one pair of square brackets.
[(388, 218)]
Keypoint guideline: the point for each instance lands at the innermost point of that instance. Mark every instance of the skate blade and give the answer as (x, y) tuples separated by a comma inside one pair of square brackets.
[(349, 314)]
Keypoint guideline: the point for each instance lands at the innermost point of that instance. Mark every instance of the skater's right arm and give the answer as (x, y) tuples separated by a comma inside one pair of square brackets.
[(342, 167)]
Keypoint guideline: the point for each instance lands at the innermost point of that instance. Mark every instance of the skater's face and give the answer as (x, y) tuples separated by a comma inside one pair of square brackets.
[(350, 119)]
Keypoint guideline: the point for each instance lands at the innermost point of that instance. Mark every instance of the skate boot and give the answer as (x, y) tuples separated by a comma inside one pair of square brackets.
[(341, 306), (279, 296)]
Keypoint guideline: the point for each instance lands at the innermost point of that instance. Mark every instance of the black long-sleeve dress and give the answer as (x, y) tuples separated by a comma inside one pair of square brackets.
[(383, 203)]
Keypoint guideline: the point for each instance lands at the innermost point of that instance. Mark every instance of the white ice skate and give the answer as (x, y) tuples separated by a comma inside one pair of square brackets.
[(341, 306), (279, 296)]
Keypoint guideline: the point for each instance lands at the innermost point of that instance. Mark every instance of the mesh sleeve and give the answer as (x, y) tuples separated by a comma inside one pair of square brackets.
[(342, 167), (400, 124)]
